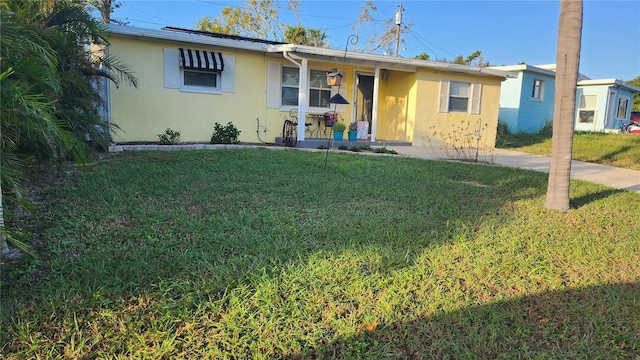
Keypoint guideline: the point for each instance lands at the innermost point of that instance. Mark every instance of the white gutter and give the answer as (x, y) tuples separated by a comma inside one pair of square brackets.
[(387, 62), (611, 82), (302, 94)]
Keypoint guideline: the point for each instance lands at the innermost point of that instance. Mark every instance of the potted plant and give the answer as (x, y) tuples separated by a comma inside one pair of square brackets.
[(353, 131), (338, 130)]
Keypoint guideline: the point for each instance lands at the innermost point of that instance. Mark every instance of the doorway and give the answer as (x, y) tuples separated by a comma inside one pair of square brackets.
[(364, 98)]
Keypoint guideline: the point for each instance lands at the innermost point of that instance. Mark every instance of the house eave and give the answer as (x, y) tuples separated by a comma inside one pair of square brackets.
[(525, 67), (609, 82), (382, 61), (163, 35)]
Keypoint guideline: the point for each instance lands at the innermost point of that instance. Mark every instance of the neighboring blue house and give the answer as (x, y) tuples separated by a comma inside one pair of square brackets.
[(527, 100), (603, 105)]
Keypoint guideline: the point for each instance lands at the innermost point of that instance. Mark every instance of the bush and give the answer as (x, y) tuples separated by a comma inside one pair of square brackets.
[(225, 134), (169, 137), (546, 129), (502, 129)]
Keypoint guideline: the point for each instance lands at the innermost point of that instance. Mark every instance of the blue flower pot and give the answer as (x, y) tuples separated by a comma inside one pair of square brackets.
[(352, 135), (337, 135)]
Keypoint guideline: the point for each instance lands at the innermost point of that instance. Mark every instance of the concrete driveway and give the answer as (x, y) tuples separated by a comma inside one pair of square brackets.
[(617, 178)]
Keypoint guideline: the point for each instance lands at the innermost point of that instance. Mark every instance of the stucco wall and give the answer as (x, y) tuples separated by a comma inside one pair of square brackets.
[(510, 94), (396, 106), (144, 112), (433, 127), (533, 114)]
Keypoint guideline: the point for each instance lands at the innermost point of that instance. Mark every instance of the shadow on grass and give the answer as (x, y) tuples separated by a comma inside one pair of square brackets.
[(614, 154), (583, 200), (169, 227), (559, 324)]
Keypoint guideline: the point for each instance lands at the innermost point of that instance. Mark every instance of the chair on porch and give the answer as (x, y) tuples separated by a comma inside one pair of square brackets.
[(293, 116)]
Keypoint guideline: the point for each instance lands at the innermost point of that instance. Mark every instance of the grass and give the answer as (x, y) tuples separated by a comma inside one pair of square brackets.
[(619, 150), (261, 253)]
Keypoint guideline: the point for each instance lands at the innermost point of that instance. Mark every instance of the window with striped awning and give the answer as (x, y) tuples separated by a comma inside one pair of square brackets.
[(201, 60)]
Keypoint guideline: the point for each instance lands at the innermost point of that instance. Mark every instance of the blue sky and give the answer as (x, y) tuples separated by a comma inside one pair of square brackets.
[(507, 32)]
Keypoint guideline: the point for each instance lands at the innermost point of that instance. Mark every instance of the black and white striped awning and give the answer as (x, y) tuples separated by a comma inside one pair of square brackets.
[(201, 60)]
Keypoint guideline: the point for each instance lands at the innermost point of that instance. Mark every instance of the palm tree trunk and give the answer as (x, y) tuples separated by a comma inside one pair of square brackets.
[(567, 64)]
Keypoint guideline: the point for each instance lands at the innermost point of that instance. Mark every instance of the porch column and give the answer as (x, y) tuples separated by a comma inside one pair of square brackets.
[(302, 99), (374, 106)]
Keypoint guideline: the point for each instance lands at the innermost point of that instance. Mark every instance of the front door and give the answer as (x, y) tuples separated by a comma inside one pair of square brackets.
[(364, 98)]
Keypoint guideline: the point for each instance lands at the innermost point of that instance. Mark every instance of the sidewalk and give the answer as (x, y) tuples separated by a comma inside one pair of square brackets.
[(623, 179)]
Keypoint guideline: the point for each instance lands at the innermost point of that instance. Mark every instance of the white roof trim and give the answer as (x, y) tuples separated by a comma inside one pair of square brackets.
[(525, 67), (316, 53), (609, 82)]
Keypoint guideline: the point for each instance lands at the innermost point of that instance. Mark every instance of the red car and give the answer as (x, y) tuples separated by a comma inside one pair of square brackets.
[(633, 127)]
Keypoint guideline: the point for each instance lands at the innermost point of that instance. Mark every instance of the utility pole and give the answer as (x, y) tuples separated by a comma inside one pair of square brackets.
[(399, 24)]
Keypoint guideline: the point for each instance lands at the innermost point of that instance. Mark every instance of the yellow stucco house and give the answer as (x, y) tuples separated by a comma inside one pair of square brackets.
[(189, 80)]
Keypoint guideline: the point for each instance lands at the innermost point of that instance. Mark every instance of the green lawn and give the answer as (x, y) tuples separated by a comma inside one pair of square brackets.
[(619, 150), (260, 253)]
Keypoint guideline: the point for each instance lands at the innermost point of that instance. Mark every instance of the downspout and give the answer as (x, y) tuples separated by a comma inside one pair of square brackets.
[(302, 93)]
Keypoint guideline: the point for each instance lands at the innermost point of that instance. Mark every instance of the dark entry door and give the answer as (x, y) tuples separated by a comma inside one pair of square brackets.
[(364, 104)]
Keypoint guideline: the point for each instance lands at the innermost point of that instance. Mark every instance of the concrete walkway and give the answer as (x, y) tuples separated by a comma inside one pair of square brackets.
[(617, 178)]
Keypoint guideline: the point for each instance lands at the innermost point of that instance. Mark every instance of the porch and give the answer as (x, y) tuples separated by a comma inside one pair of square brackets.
[(315, 143)]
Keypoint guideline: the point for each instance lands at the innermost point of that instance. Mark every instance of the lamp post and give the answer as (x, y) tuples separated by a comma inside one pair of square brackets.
[(337, 98)]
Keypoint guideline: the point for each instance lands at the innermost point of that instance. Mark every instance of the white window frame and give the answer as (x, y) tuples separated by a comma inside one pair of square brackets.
[(283, 85), (582, 107), (537, 93), (474, 104), (457, 96), (625, 110), (200, 89), (326, 88), (308, 90)]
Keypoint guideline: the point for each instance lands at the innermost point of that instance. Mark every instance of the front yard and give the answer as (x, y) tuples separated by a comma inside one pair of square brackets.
[(261, 253)]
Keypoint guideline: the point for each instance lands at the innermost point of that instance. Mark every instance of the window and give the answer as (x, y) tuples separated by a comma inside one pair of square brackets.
[(623, 104), (459, 97), (538, 90), (202, 79), (319, 91), (290, 81), (200, 70), (587, 109)]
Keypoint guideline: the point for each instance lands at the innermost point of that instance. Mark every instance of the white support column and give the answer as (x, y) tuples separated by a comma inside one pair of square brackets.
[(374, 115), (302, 99)]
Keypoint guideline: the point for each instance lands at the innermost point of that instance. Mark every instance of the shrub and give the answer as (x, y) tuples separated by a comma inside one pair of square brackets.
[(384, 150), (546, 129), (225, 134), (343, 147), (502, 129), (169, 137)]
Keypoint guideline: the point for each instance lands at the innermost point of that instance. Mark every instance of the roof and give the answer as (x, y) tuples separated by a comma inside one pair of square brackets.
[(525, 67), (547, 69), (609, 82), (299, 51)]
